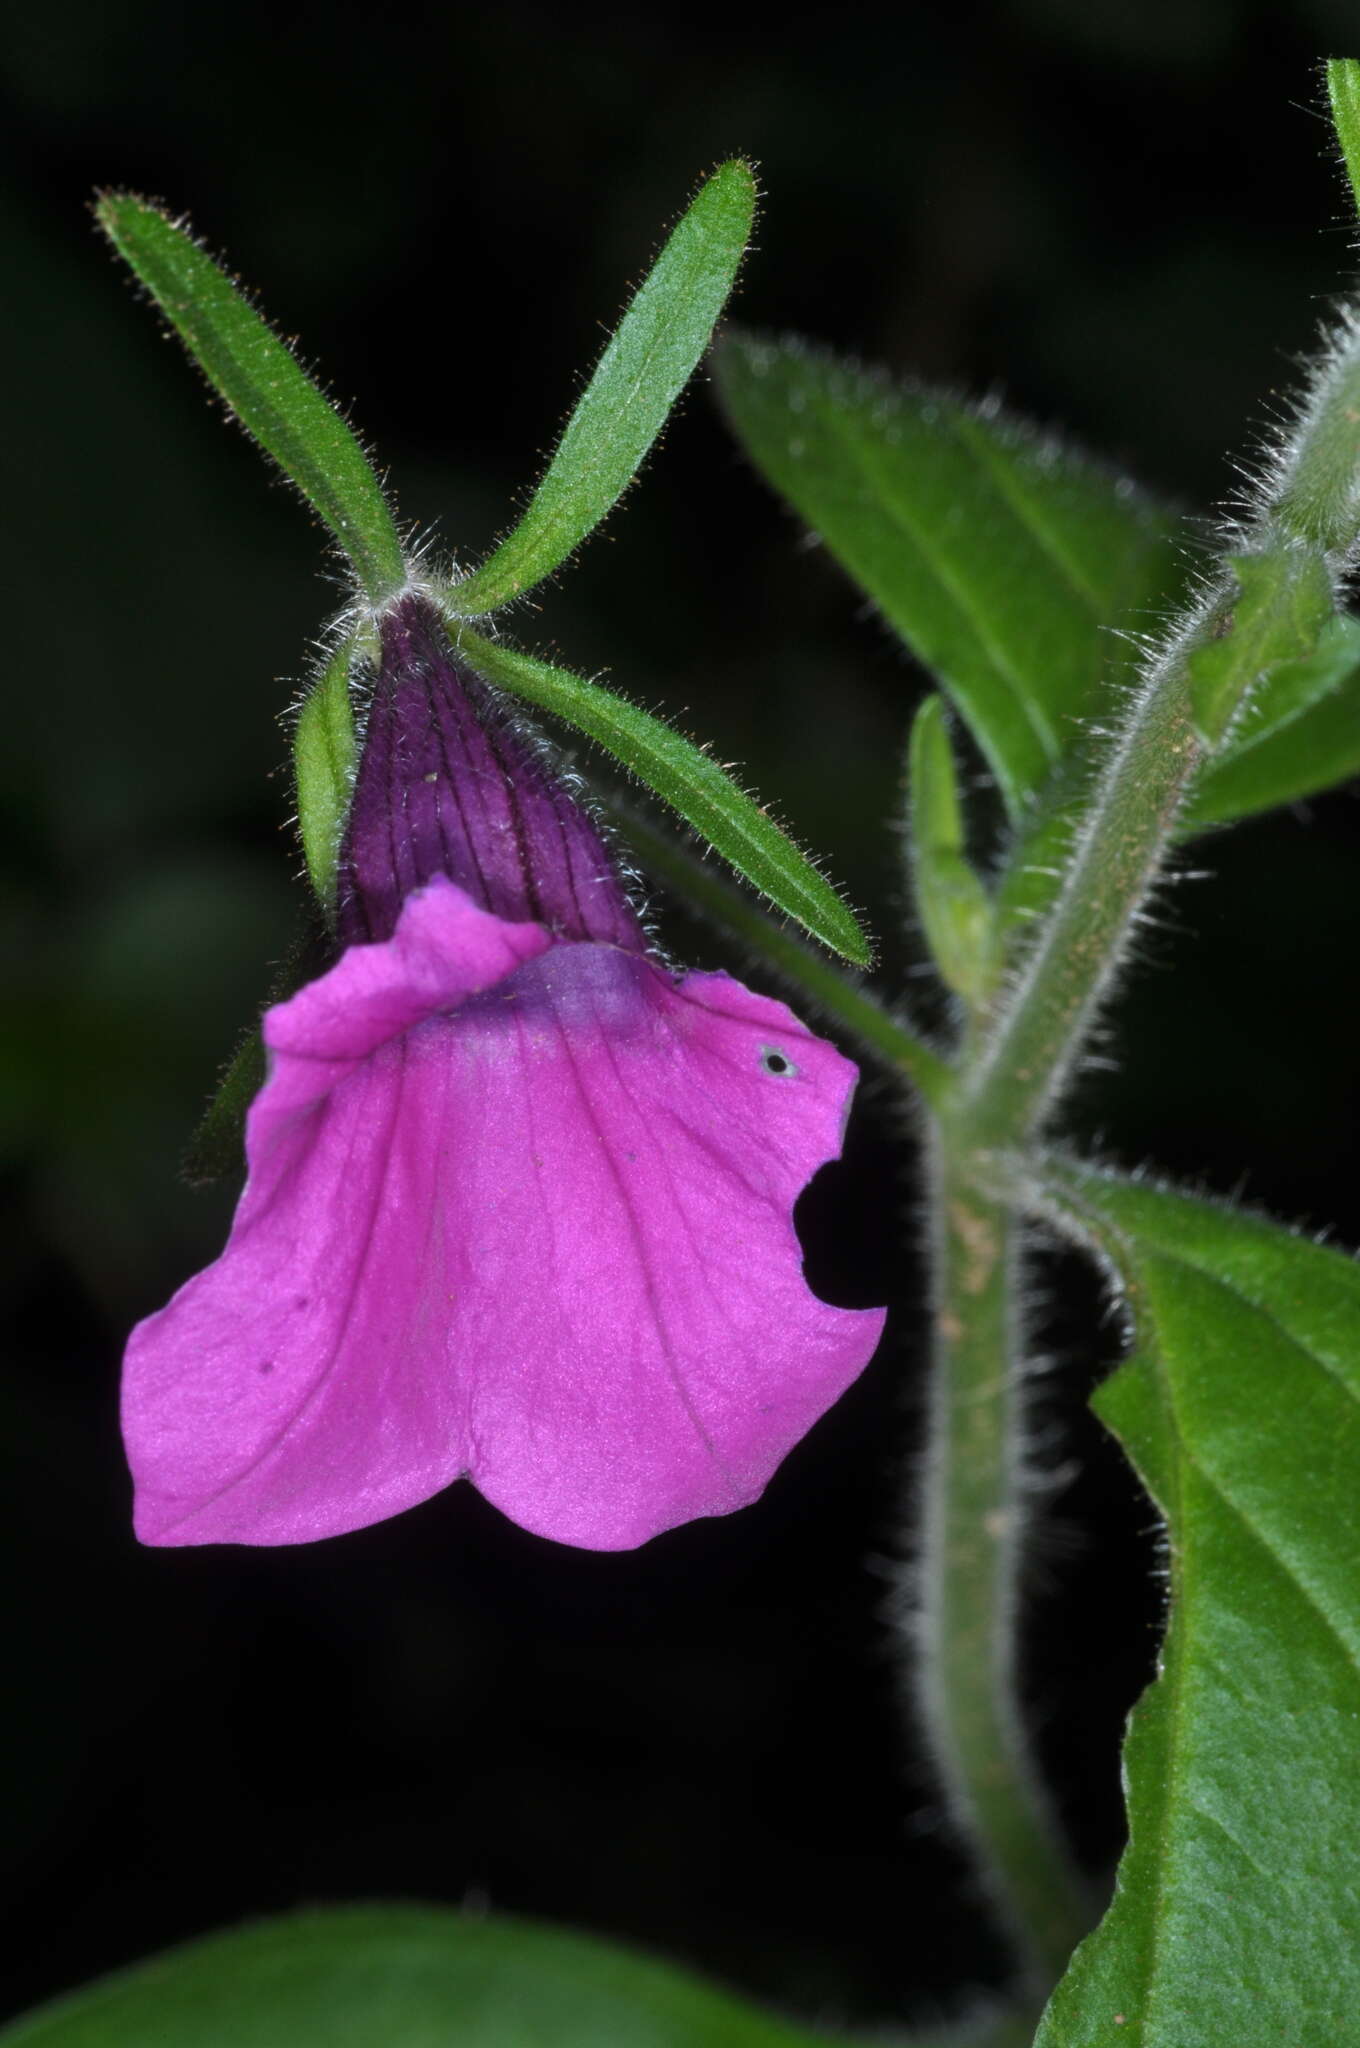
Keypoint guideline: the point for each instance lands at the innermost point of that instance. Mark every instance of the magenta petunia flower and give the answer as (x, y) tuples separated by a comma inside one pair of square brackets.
[(519, 1200)]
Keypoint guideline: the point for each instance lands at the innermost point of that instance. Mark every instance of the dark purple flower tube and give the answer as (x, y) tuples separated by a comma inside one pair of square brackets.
[(520, 1199), (450, 784)]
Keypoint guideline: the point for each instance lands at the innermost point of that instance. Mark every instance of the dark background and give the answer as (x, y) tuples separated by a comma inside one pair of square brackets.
[(1123, 218)]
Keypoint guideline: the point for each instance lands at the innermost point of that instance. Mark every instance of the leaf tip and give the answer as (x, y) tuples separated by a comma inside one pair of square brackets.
[(1343, 97), (739, 174), (848, 937), (108, 207), (115, 207)]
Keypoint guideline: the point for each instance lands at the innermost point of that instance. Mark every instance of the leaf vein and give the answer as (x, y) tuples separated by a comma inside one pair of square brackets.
[(1027, 511), (1258, 1536), (1268, 1315), (1003, 665)]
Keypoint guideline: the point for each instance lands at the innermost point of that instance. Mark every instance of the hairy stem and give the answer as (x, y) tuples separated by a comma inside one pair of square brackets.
[(1006, 1080), (968, 1594), (1009, 1086), (1275, 595), (1305, 531), (1275, 592)]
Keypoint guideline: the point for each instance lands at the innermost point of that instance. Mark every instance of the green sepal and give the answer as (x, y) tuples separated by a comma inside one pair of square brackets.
[(954, 905), (262, 383), (1343, 92), (1237, 1903), (1002, 559), (686, 778), (217, 1147), (324, 752), (645, 366), (1285, 598)]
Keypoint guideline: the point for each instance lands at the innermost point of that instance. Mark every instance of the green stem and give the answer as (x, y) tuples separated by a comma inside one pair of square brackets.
[(968, 1597), (994, 1100), (1305, 530), (1010, 1083), (1010, 1073)]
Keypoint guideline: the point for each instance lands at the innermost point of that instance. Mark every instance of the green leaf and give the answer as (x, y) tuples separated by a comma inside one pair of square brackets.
[(1000, 558), (1313, 491), (1237, 1911), (637, 380), (262, 383), (687, 779), (955, 908), (1284, 600), (400, 1977), (1300, 734), (1343, 90), (323, 769)]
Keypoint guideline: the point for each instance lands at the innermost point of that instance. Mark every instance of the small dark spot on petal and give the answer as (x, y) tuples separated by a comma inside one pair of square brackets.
[(777, 1063), (266, 1365)]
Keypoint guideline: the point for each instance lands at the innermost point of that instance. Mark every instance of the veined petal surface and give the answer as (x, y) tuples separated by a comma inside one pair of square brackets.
[(516, 1210)]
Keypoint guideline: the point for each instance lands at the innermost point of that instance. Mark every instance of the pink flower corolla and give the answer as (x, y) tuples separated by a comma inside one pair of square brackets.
[(519, 1200)]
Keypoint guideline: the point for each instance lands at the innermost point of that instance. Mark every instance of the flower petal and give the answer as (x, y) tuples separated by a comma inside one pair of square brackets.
[(542, 1236)]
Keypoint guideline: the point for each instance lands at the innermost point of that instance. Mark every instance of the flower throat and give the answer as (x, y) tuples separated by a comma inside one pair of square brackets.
[(449, 784)]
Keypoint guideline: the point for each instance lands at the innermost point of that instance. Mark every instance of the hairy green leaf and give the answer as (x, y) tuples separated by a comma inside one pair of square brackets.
[(1284, 600), (687, 779), (323, 770), (262, 383), (1343, 90), (955, 908), (1002, 559), (1237, 1911), (637, 380), (1300, 734), (1313, 495), (400, 1977)]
